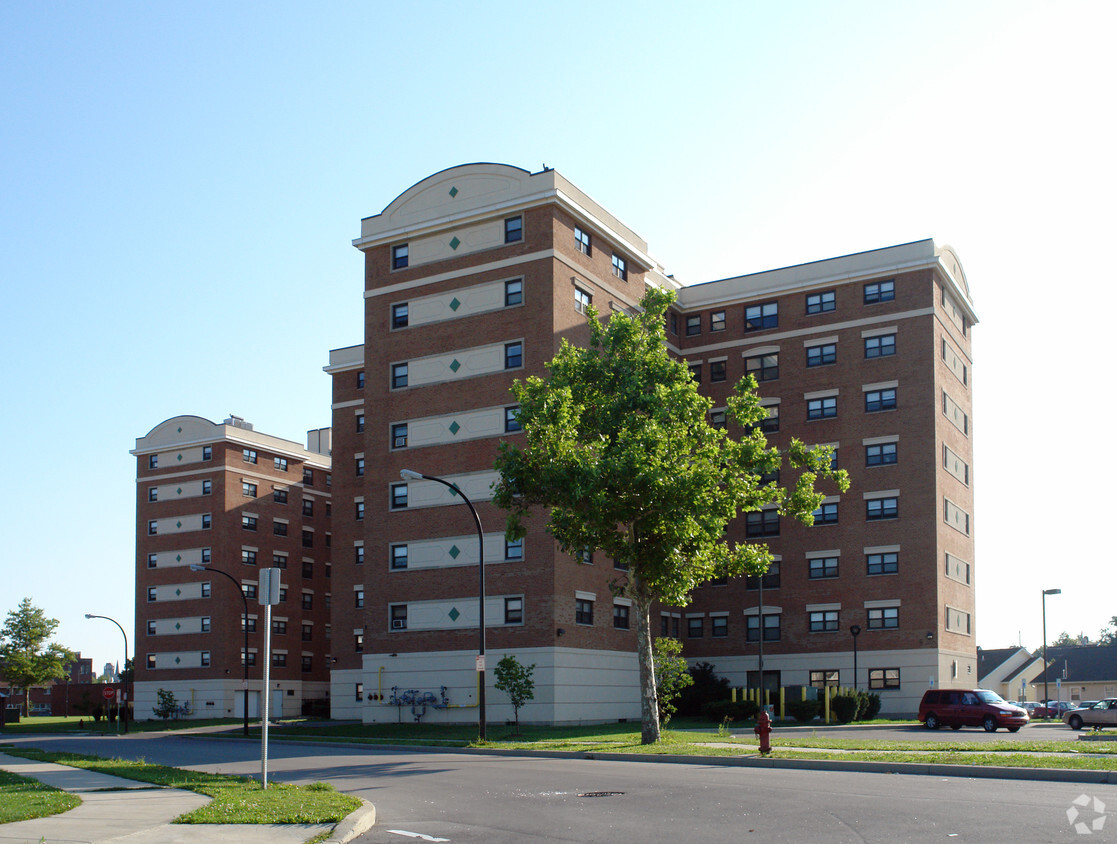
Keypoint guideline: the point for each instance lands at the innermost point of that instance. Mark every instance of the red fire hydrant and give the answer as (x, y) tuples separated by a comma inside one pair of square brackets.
[(763, 729)]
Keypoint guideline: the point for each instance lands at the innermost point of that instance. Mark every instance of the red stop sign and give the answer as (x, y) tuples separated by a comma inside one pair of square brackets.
[(108, 693)]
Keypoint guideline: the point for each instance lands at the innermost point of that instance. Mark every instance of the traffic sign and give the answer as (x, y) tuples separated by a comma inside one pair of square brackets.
[(108, 693)]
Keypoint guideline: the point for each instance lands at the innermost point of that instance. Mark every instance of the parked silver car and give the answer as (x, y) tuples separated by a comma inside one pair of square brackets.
[(1101, 714)]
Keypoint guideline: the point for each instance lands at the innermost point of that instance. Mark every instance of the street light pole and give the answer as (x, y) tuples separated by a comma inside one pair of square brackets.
[(409, 474), (127, 696), (1046, 592), (855, 631), (244, 624)]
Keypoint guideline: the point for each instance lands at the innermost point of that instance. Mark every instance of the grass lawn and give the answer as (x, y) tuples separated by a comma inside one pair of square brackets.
[(235, 799), (696, 737), (22, 799)]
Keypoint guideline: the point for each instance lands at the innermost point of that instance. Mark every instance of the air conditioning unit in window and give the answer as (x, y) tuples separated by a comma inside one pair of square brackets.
[(399, 442), (399, 623)]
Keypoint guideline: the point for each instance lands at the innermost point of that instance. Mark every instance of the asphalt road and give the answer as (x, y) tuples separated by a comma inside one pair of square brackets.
[(478, 798)]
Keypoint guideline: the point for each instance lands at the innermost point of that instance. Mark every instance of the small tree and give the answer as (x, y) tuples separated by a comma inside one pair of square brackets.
[(671, 675), (1108, 635), (515, 681), (166, 705), (26, 657), (620, 450)]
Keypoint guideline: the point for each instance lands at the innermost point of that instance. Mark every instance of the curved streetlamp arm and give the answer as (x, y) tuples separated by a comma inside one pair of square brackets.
[(244, 624), (125, 635)]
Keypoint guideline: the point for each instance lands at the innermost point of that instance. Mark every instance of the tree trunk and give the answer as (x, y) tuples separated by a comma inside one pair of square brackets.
[(649, 702)]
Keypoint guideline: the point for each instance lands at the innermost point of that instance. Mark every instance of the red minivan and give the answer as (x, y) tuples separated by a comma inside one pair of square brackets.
[(957, 708)]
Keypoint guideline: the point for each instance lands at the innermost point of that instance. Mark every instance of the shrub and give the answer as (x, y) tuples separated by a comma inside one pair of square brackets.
[(720, 710), (166, 704), (803, 710), (671, 676), (708, 686), (872, 709), (844, 707)]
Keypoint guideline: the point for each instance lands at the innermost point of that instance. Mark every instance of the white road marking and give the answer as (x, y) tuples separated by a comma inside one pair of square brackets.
[(418, 835)]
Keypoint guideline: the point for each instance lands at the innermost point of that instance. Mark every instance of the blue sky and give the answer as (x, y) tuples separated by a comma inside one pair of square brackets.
[(180, 183)]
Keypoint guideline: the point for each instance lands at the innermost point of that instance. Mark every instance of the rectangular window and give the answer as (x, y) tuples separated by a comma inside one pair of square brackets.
[(760, 317), (308, 539), (717, 321), (279, 528), (206, 587), (513, 610), (397, 615), (884, 618), (359, 462), (248, 624), (513, 292), (152, 630), (207, 452), (882, 508), (279, 560), (620, 616), (823, 621), (153, 527), (279, 660), (827, 513), (511, 420), (206, 554), (279, 627), (308, 600), (361, 379), (762, 523), (582, 300), (771, 628), (153, 461), (308, 506), (398, 496), (250, 591), (821, 568), (770, 578), (153, 493), (693, 325), (308, 633), (358, 555), (514, 549), (248, 557), (513, 229), (205, 659), (152, 560), (818, 303), (583, 611), (824, 408), (279, 496), (248, 522), (884, 678), (881, 454), (878, 400), (207, 487), (881, 346), (359, 647), (360, 687), (717, 419), (151, 662), (763, 367), (399, 375), (308, 569), (359, 419), (359, 599), (694, 627), (620, 267), (207, 521), (824, 678), (719, 626), (399, 440), (695, 372), (513, 355), (399, 315), (880, 291), (717, 371), (771, 423), (250, 455), (674, 323), (397, 556), (399, 256), (823, 355), (359, 510), (151, 594), (582, 241), (280, 464), (308, 476)]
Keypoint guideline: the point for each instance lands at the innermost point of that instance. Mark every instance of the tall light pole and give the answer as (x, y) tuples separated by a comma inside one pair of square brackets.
[(127, 695), (409, 474), (855, 631), (244, 624), (1046, 592)]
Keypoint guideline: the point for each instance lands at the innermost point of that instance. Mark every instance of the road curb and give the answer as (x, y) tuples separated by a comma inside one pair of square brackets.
[(357, 822)]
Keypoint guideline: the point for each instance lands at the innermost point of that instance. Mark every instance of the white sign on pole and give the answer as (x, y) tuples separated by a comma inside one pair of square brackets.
[(268, 595)]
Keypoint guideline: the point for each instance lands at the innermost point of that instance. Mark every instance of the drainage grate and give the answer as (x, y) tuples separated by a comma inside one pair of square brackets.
[(601, 794)]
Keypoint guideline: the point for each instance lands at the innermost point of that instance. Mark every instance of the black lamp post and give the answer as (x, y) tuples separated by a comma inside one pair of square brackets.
[(127, 691), (244, 624), (1046, 592), (409, 474), (855, 631)]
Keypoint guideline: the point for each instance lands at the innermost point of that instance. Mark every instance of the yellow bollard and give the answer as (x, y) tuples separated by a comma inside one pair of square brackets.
[(733, 694), (826, 706), (782, 702)]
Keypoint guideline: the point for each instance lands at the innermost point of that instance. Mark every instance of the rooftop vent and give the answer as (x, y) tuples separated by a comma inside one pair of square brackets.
[(238, 422)]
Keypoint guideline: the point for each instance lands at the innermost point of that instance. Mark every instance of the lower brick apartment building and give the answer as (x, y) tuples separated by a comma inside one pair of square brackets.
[(233, 499), (473, 276)]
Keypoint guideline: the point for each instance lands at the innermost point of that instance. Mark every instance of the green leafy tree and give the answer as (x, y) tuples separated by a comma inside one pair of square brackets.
[(619, 449), (515, 680), (165, 704), (1108, 635), (671, 676), (27, 658)]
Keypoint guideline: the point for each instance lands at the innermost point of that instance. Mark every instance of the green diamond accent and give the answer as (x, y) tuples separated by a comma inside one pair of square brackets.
[(178, 591), (180, 429), (455, 304), (178, 524), (454, 614), (455, 427), (178, 625), (178, 659), (454, 552), (454, 365), (454, 491), (453, 192), (179, 458), (454, 242), (178, 558), (179, 491)]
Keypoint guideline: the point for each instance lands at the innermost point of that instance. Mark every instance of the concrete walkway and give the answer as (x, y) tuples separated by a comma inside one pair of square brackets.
[(113, 809)]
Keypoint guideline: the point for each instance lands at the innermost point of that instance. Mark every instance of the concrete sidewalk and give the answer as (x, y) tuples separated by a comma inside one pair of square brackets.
[(142, 813)]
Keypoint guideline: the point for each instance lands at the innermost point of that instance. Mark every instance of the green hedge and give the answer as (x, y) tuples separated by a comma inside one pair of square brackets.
[(719, 710)]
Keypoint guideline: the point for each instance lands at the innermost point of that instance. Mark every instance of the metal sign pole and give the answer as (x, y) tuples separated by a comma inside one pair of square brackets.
[(268, 594)]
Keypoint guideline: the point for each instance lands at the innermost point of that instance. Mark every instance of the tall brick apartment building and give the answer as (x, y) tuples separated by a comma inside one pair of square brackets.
[(472, 278), (234, 499)]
